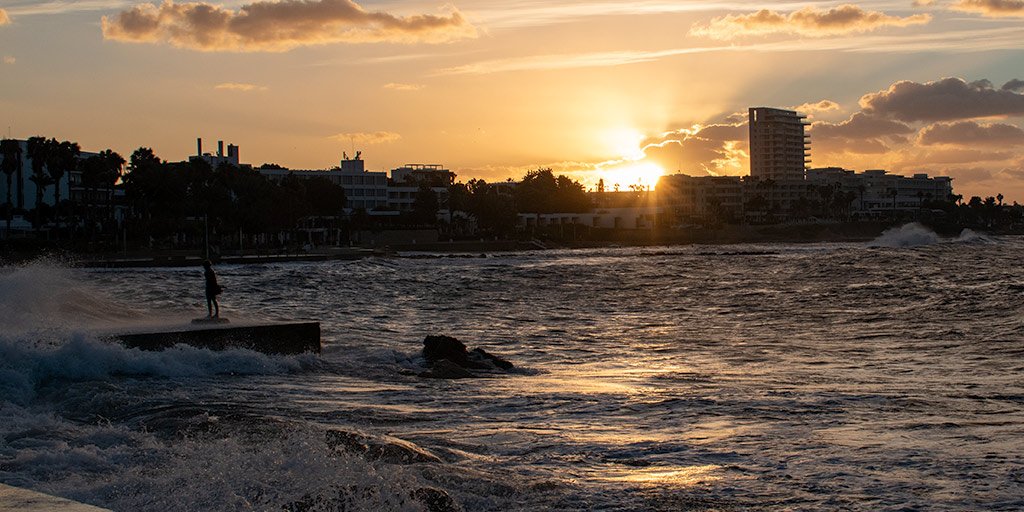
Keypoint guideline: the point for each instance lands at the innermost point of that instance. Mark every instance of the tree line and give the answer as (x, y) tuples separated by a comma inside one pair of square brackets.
[(145, 201)]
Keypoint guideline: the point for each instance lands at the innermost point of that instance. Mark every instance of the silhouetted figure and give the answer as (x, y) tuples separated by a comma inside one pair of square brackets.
[(212, 290)]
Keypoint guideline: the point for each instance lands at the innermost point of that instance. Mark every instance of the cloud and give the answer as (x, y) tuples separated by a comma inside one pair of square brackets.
[(277, 26), (8, 59), (1014, 85), (860, 133), (367, 138), (715, 149), (991, 8), (970, 133), (234, 86), (809, 21), (4, 18), (403, 87), (943, 100), (815, 108)]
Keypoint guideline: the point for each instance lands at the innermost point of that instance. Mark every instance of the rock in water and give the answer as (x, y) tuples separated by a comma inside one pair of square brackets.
[(387, 449), (445, 369), (485, 357), (435, 500), (436, 348), (448, 359)]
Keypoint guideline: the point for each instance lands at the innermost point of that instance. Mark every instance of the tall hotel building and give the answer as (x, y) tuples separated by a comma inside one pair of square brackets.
[(779, 149)]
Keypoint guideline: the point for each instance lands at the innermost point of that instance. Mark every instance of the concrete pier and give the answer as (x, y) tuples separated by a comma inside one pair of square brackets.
[(285, 338), (15, 499)]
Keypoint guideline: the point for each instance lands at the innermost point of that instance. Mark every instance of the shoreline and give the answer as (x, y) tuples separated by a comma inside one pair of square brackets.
[(727, 235)]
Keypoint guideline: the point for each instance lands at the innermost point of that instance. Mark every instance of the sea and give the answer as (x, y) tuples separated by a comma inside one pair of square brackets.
[(886, 375)]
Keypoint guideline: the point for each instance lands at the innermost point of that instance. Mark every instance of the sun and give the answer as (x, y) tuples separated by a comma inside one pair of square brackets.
[(636, 173), (625, 143)]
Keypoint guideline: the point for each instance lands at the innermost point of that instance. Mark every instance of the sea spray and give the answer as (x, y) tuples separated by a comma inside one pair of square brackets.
[(25, 365), (908, 235)]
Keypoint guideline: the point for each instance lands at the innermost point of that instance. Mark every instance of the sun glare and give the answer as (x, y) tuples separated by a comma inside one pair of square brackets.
[(624, 142), (644, 174)]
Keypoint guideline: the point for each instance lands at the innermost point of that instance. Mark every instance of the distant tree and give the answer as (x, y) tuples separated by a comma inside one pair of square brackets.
[(38, 150), (325, 198), (10, 150), (536, 192), (495, 212), (61, 159), (425, 205), (458, 199)]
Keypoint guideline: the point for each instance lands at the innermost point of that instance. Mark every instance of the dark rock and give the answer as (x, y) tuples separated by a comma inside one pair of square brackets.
[(445, 369), (435, 500), (449, 359), (384, 448), (352, 497), (485, 357), (436, 348)]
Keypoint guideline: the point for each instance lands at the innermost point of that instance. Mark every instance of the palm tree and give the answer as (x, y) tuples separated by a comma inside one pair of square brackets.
[(113, 166), (63, 158), (39, 149), (10, 149)]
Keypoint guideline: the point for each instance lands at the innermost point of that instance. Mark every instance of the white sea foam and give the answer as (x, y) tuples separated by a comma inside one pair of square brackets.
[(907, 235)]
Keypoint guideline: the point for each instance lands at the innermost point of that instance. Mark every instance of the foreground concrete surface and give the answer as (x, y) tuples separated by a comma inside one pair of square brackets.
[(23, 500)]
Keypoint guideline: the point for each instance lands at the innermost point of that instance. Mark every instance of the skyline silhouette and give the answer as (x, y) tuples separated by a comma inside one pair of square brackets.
[(617, 91)]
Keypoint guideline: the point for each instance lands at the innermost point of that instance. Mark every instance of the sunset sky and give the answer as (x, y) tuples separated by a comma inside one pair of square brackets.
[(620, 90)]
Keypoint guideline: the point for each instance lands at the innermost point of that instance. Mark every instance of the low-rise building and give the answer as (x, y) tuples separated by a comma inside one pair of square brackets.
[(364, 189), (876, 191)]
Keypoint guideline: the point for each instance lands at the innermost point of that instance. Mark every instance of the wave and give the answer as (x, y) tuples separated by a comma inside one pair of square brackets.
[(25, 366), (915, 234), (907, 235), (45, 296)]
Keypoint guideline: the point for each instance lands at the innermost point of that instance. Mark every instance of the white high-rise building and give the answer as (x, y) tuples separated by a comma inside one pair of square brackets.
[(779, 148)]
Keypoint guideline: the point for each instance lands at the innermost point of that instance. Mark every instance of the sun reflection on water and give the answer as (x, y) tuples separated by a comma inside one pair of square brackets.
[(676, 476)]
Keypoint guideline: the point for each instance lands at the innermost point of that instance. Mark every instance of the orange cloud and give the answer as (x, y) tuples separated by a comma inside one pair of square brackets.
[(944, 100), (970, 133), (277, 26), (809, 21), (367, 137), (235, 86), (403, 87), (4, 18), (991, 8), (8, 59), (715, 149), (815, 108)]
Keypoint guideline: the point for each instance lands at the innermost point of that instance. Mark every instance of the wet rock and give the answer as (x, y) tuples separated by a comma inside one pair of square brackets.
[(435, 500), (449, 359), (384, 448), (351, 497), (484, 357), (445, 369)]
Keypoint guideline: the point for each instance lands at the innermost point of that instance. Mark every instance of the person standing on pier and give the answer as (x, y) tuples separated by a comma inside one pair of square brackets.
[(212, 290)]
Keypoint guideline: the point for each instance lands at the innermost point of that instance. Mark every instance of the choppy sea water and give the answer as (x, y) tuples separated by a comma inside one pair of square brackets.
[(879, 376)]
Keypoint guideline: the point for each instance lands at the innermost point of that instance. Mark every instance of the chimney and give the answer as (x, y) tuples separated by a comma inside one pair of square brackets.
[(199, 146), (220, 148)]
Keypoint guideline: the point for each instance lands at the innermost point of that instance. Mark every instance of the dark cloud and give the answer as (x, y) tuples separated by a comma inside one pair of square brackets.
[(943, 100), (970, 133), (809, 21), (277, 26), (1014, 85), (861, 133), (991, 8)]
